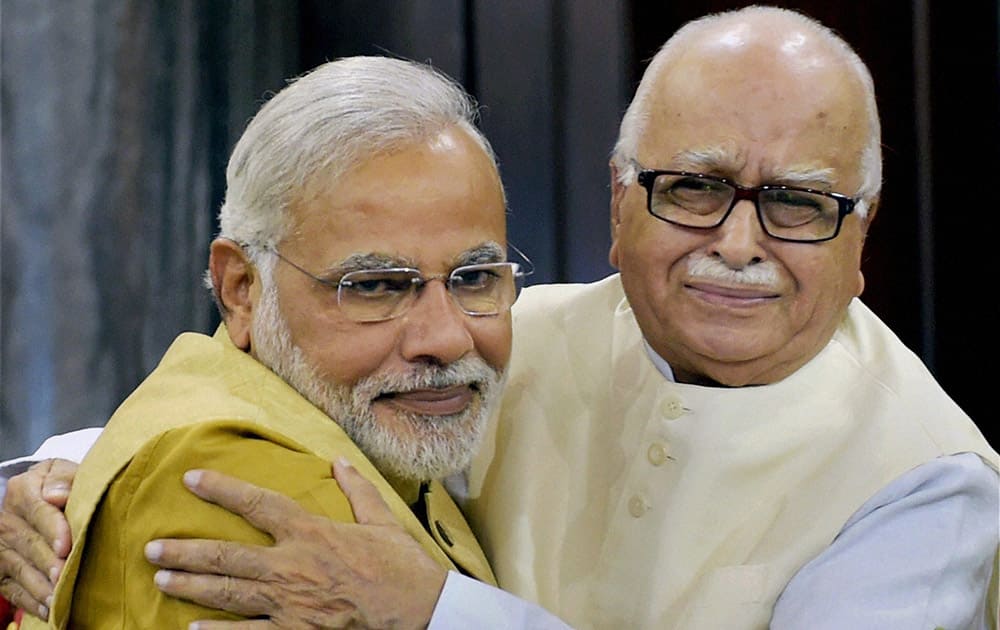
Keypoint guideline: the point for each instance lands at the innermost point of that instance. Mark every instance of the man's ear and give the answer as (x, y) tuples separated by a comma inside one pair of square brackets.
[(866, 225), (237, 287), (872, 209), (617, 195)]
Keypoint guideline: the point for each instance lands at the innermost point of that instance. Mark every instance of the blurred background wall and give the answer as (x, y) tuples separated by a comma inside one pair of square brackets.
[(117, 118)]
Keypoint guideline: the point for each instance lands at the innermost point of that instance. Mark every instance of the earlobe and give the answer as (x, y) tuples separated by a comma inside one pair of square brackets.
[(233, 276), (861, 283)]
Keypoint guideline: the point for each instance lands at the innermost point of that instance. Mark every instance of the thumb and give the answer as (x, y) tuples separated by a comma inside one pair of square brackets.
[(365, 500)]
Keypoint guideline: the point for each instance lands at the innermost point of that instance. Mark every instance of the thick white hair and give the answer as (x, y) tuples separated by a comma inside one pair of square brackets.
[(637, 114), (331, 120)]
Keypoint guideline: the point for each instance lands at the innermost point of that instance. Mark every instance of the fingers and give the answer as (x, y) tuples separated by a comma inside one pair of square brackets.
[(367, 503), (20, 557), (21, 598), (266, 510), (209, 556), (235, 595), (58, 481), (26, 497), (26, 557)]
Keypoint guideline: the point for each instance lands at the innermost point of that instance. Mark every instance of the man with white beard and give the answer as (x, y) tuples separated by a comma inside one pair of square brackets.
[(393, 343)]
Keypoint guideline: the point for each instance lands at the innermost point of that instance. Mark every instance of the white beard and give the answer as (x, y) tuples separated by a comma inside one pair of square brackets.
[(427, 447)]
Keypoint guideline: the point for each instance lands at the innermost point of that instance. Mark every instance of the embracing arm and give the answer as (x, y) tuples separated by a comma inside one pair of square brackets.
[(34, 534), (72, 446), (148, 501), (371, 568)]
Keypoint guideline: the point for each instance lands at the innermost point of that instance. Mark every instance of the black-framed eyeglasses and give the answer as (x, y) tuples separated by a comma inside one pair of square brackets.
[(787, 213), (377, 295)]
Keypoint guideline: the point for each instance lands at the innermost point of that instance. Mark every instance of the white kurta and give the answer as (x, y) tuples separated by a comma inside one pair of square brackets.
[(618, 499)]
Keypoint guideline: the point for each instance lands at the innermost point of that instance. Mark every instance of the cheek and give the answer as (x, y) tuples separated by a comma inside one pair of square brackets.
[(492, 337), (825, 283), (340, 351), (655, 252), (346, 356)]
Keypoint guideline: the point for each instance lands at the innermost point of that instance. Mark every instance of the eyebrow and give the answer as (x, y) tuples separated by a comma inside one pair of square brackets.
[(819, 178), (366, 261), (713, 160), (487, 252), (709, 160)]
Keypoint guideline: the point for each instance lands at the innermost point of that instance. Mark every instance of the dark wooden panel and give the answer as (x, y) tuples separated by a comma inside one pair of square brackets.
[(965, 125), (592, 94), (423, 30), (514, 83)]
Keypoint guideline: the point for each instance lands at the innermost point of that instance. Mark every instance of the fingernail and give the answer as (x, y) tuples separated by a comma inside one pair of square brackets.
[(343, 462), (194, 625), (56, 491), (48, 601), (54, 574), (59, 547), (43, 612), (192, 477), (162, 578), (153, 550)]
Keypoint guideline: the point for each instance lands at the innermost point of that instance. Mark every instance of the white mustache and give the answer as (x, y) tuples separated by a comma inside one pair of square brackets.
[(704, 267), (471, 371)]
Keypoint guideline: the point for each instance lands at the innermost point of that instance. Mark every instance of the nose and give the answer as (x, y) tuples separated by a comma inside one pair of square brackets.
[(739, 241), (435, 329)]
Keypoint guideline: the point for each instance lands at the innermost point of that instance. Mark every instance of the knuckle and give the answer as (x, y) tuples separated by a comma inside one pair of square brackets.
[(15, 487), (252, 502), (230, 593), (15, 594), (219, 558), (9, 590)]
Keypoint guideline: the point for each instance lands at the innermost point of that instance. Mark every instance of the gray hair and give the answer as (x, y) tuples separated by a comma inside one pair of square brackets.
[(637, 114), (331, 120)]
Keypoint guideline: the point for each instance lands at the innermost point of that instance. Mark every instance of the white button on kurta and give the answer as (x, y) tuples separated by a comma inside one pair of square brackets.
[(671, 408), (638, 505), (657, 453)]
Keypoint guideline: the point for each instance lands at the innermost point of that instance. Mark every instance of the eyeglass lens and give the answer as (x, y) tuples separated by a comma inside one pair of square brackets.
[(704, 202), (381, 294)]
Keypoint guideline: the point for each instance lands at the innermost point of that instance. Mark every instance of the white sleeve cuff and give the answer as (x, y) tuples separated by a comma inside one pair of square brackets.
[(72, 446), (469, 603)]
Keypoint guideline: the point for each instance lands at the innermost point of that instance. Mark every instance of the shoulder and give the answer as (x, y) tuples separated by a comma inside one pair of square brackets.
[(545, 313), (147, 500), (247, 451), (965, 481), (546, 297)]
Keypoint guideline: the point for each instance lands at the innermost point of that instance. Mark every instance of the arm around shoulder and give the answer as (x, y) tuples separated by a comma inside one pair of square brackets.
[(148, 500)]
